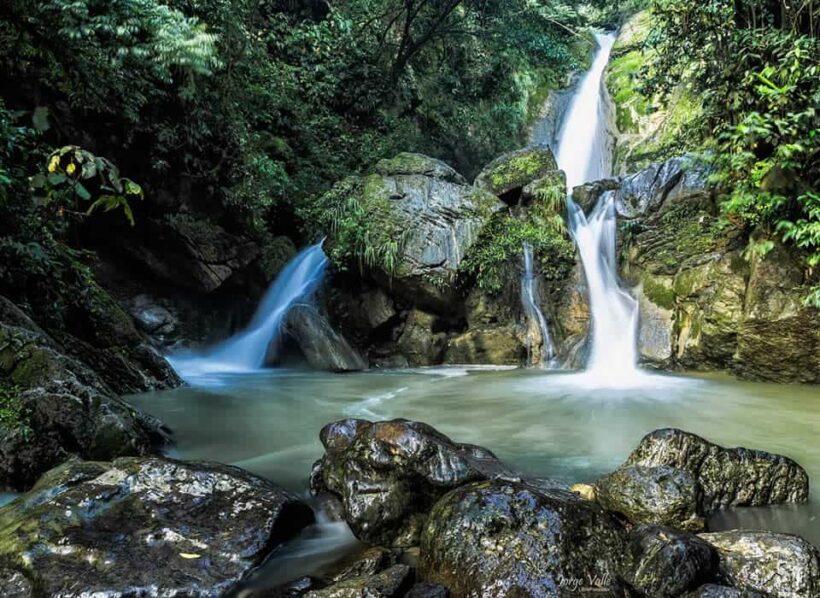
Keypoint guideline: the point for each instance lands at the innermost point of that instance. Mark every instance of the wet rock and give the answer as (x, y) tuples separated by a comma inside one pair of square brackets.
[(504, 538), (588, 194), (781, 565), (294, 589), (369, 562), (726, 477), (661, 495), (150, 526), (511, 172), (390, 583), (63, 407), (14, 584), (666, 562), (389, 474), (321, 345)]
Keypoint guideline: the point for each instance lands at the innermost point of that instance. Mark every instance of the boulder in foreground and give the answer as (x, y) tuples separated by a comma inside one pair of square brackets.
[(143, 527), (781, 565), (389, 474), (503, 538)]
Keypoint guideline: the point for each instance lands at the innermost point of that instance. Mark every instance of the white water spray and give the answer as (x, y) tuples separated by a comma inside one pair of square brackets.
[(248, 350), (583, 155), (533, 310)]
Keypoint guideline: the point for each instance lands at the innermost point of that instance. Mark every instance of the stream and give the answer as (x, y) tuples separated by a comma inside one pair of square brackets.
[(544, 423)]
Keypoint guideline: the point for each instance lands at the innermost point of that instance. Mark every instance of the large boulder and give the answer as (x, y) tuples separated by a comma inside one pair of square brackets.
[(663, 562), (145, 527), (778, 565), (389, 474), (507, 175), (726, 476), (661, 495), (56, 407), (437, 217), (505, 538), (319, 343)]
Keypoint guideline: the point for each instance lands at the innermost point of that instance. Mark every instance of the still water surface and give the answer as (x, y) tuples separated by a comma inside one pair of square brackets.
[(545, 424)]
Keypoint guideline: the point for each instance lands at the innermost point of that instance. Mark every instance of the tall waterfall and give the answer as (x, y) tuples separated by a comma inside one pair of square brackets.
[(583, 154), (533, 310), (248, 349)]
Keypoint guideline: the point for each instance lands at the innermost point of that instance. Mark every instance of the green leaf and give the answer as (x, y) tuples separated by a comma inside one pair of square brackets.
[(82, 192), (40, 119)]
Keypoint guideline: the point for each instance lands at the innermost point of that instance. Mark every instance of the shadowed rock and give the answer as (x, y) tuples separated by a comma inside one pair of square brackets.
[(664, 562), (323, 347), (144, 527)]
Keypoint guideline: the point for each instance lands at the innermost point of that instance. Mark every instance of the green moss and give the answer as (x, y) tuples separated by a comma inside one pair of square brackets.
[(658, 293), (14, 415)]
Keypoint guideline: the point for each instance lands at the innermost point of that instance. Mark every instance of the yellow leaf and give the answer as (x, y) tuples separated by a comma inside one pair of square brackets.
[(188, 555)]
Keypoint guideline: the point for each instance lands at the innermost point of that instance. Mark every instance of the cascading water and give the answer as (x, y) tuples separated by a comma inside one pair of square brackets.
[(248, 350), (533, 310), (583, 155)]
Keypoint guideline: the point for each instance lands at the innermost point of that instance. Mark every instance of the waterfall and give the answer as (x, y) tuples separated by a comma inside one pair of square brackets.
[(533, 310), (247, 350), (583, 154)]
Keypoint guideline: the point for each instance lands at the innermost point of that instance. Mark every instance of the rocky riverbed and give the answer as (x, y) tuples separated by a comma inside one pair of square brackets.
[(435, 518)]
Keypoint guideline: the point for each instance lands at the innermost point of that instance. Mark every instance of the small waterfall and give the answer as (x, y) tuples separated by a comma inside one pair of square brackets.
[(248, 350), (583, 154), (533, 311)]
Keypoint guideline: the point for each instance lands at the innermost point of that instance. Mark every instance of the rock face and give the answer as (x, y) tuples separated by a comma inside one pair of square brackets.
[(323, 347), (726, 477), (780, 565), (145, 526), (661, 495), (190, 252), (702, 304), (500, 538), (666, 562), (507, 175), (63, 407), (388, 474)]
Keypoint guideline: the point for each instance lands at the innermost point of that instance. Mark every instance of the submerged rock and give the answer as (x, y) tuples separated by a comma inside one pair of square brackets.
[(726, 477), (661, 495), (503, 538), (511, 172), (144, 527), (780, 565), (392, 582), (321, 345), (665, 562), (389, 474)]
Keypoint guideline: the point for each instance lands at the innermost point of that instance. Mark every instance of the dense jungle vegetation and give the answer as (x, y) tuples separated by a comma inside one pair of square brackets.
[(246, 111)]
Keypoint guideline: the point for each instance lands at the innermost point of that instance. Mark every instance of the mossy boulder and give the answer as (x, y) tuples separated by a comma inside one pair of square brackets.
[(504, 345), (726, 476), (777, 565), (407, 226), (64, 408), (145, 526), (389, 474), (508, 538), (511, 172)]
